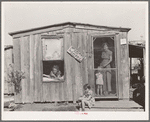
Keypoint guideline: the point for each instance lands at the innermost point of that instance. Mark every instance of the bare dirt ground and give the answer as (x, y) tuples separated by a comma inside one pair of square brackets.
[(47, 107)]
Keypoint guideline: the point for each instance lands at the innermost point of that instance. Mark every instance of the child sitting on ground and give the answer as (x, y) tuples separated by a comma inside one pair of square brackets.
[(87, 98)]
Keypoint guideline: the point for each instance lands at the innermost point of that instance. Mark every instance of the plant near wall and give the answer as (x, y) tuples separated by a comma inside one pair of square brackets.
[(14, 78)]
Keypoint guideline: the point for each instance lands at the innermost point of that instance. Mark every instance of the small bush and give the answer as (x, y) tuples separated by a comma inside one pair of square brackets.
[(15, 78)]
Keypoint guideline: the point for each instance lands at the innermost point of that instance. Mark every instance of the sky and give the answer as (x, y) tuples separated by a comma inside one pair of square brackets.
[(18, 16)]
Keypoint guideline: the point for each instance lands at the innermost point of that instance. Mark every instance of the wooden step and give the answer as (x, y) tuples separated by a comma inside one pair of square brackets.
[(113, 110), (116, 104)]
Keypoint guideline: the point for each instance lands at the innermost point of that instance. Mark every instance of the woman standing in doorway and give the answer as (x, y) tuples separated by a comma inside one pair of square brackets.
[(106, 60)]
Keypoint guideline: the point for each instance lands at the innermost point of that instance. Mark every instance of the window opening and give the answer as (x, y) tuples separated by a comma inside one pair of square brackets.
[(53, 59)]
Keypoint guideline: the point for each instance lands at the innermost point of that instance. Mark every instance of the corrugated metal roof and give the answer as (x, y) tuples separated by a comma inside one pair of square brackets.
[(69, 23)]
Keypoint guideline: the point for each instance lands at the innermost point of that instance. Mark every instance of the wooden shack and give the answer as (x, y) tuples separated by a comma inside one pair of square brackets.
[(75, 48)]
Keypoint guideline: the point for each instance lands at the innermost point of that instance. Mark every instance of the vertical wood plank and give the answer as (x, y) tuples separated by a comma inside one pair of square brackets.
[(23, 70), (44, 92), (68, 92), (40, 51), (77, 66), (35, 68), (36, 73), (56, 91), (126, 71), (124, 68), (60, 95), (74, 69), (115, 73), (32, 68), (17, 64), (84, 63), (119, 92), (127, 96), (121, 71), (48, 91), (52, 91), (86, 57), (64, 92), (27, 68), (81, 72), (61, 85)]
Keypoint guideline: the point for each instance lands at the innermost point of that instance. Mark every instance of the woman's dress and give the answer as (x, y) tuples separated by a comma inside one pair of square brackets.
[(107, 73)]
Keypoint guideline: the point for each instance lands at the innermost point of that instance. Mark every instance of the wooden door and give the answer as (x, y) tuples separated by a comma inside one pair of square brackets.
[(105, 68)]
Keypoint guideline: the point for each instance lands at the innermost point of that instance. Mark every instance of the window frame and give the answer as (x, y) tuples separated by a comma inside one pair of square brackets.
[(62, 50)]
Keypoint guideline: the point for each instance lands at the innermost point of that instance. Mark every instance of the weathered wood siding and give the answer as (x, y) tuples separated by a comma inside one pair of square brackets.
[(28, 58), (119, 83), (124, 69)]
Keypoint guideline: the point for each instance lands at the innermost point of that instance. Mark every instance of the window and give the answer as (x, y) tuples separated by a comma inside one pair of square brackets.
[(53, 59)]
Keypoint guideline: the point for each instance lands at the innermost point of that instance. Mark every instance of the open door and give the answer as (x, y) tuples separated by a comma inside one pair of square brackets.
[(105, 66)]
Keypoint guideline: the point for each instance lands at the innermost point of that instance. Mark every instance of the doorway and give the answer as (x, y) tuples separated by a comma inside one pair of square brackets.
[(105, 67)]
